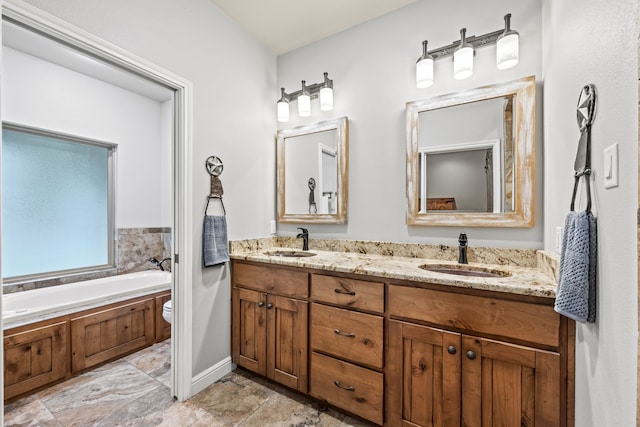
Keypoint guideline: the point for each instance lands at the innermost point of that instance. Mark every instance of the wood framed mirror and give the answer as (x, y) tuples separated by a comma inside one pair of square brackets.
[(471, 157), (312, 173)]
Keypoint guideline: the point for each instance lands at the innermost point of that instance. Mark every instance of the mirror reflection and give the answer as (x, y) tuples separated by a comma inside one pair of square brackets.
[(467, 168), (470, 157), (312, 173)]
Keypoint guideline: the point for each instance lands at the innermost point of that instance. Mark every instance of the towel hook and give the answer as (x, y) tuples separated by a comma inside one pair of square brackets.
[(214, 165)]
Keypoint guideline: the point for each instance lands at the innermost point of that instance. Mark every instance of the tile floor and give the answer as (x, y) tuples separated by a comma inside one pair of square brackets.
[(134, 391)]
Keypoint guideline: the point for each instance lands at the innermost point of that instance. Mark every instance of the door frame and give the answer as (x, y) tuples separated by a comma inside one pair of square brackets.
[(182, 148)]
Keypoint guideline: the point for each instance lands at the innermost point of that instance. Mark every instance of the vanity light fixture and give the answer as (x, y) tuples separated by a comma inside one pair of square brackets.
[(507, 53), (323, 90)]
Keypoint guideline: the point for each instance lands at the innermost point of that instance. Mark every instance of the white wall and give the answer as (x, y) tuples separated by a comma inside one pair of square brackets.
[(596, 42), (40, 94), (234, 91), (373, 70)]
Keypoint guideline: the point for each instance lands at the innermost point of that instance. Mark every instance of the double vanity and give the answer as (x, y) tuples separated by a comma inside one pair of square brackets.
[(406, 340), (402, 334)]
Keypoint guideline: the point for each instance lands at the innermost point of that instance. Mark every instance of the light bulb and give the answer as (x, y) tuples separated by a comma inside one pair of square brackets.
[(283, 107), (463, 58), (507, 46), (326, 99), (304, 102), (283, 111), (424, 68)]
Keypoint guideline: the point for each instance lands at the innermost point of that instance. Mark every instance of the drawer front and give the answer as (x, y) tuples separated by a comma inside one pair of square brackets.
[(272, 280), (348, 334), (350, 387), (348, 292), (530, 322)]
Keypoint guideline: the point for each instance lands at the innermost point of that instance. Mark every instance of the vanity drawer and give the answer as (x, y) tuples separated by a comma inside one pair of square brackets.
[(513, 319), (272, 280), (347, 334), (355, 389), (348, 292)]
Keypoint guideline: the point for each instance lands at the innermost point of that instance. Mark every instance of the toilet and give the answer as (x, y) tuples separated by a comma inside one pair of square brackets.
[(166, 311)]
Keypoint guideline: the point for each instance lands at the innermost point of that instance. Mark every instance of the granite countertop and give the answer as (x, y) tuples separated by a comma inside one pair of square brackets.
[(521, 280)]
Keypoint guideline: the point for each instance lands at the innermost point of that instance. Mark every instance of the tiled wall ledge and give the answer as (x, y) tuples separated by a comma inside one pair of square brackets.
[(134, 247), (545, 261), (137, 245)]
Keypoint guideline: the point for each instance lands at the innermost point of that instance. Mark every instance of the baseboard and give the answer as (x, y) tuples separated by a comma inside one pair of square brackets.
[(211, 375)]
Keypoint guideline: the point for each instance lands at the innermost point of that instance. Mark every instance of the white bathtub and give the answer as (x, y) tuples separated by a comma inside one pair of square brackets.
[(21, 308)]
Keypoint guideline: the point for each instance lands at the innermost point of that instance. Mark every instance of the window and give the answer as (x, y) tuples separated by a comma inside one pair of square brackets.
[(57, 204)]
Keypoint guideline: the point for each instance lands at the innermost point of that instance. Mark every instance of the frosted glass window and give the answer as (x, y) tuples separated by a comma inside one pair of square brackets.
[(56, 209)]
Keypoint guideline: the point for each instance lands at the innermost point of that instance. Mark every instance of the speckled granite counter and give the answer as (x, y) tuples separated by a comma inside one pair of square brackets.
[(530, 274)]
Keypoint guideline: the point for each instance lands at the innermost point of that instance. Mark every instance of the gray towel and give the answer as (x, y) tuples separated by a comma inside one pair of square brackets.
[(576, 296), (215, 248)]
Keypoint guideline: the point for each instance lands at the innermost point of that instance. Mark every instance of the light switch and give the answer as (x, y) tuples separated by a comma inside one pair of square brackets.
[(610, 170)]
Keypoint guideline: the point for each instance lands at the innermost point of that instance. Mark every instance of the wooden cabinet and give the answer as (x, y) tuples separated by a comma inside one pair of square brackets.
[(443, 377), (269, 331), (45, 352), (34, 358), (104, 335), (347, 344), (405, 355)]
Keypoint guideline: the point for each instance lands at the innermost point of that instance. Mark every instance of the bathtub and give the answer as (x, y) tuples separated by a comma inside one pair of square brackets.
[(21, 308)]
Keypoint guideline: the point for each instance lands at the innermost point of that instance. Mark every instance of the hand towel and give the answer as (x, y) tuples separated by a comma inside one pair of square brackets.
[(576, 295), (214, 240)]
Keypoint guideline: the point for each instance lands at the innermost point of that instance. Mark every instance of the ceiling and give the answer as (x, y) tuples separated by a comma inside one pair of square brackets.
[(285, 25)]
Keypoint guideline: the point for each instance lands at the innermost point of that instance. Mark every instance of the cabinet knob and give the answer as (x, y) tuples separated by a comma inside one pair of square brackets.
[(269, 306), (471, 355), (451, 349), (260, 304), (348, 388)]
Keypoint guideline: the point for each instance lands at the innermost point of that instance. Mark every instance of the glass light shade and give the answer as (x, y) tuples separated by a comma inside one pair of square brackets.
[(507, 50), (326, 99), (463, 63), (424, 72), (304, 105), (283, 111)]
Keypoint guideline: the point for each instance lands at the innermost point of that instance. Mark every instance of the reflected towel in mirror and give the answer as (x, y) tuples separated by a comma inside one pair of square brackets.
[(215, 248)]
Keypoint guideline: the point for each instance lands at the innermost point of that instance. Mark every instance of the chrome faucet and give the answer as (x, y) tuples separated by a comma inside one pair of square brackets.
[(154, 261), (462, 249), (305, 238)]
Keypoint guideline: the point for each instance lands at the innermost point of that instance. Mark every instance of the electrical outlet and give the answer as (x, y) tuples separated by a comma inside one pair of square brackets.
[(272, 224), (559, 239)]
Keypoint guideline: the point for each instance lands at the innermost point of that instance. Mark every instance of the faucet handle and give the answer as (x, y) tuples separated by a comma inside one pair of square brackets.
[(462, 239)]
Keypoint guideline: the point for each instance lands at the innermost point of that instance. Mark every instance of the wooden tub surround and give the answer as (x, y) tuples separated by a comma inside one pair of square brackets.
[(405, 352), (49, 351)]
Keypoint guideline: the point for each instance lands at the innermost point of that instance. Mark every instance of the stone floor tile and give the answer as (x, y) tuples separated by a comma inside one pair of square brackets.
[(30, 413)]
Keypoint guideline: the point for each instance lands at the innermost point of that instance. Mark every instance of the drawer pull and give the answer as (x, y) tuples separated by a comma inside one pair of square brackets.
[(339, 332), (260, 304), (343, 292), (348, 388), (471, 355)]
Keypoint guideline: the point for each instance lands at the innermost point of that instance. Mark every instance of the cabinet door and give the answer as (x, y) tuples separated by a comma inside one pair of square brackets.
[(508, 385), (423, 376), (287, 341), (107, 334), (249, 333), (34, 358)]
